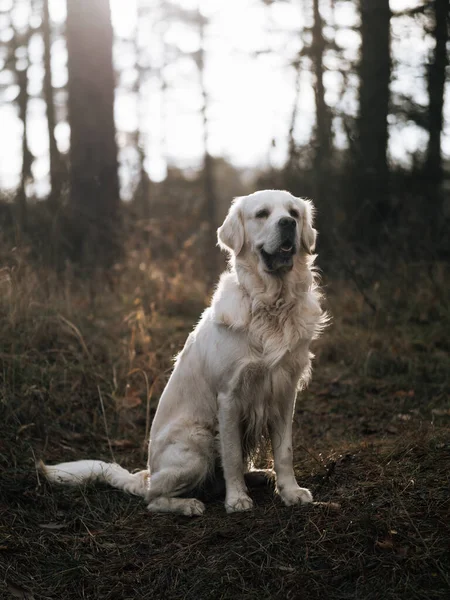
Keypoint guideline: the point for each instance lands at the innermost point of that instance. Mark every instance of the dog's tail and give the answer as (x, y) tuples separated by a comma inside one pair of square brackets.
[(85, 471)]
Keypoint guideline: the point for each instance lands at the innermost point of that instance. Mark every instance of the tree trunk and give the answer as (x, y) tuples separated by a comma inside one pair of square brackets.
[(323, 117), (142, 192), (56, 172), (436, 85), (21, 199), (291, 164), (27, 157), (372, 167), (94, 186), (208, 163)]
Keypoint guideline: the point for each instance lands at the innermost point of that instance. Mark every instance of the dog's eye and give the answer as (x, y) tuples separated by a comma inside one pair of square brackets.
[(294, 213), (262, 214)]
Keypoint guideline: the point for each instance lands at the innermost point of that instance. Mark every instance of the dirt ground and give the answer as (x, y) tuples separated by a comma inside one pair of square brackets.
[(372, 442)]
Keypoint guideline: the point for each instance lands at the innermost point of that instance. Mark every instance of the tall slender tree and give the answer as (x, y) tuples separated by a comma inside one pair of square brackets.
[(436, 85), (371, 162), (291, 163), (94, 187), (323, 116), (56, 174), (21, 65), (208, 161)]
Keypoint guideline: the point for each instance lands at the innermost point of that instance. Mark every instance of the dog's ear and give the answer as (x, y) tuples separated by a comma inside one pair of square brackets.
[(231, 234), (309, 234)]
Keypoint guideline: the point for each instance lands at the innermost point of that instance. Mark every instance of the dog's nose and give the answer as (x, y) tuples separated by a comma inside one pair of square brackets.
[(287, 223)]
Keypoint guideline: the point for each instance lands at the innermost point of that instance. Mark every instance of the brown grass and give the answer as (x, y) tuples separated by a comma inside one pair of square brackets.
[(372, 436)]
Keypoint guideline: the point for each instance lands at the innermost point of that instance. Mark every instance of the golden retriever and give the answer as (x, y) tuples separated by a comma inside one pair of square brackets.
[(237, 377)]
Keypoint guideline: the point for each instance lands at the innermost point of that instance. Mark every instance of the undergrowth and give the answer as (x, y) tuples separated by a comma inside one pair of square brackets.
[(83, 363)]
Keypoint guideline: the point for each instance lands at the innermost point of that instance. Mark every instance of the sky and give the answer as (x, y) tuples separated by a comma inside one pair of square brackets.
[(251, 91)]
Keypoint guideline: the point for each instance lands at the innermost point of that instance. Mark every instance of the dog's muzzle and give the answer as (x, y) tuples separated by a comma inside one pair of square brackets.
[(282, 258)]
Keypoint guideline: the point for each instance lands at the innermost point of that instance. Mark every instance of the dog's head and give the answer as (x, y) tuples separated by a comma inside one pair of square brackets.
[(272, 225)]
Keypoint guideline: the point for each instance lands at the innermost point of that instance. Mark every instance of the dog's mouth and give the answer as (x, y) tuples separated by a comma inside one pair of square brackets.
[(282, 260)]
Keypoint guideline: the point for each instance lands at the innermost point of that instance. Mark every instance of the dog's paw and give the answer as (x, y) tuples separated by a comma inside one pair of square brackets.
[(193, 508), (238, 503), (189, 507), (295, 495)]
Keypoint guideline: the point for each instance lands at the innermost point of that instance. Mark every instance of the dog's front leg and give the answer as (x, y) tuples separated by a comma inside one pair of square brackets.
[(237, 498), (281, 438)]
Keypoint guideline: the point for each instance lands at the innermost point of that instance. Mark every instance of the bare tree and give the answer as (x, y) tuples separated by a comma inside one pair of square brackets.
[(56, 174), (208, 161), (436, 85), (94, 187), (292, 159), (372, 166), (323, 117), (21, 65)]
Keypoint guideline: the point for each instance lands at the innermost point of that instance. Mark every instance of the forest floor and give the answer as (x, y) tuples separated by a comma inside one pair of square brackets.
[(81, 372)]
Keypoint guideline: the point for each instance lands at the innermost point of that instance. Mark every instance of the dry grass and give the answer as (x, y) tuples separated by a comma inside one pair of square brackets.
[(372, 435)]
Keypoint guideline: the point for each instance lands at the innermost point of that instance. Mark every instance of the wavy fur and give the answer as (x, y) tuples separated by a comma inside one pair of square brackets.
[(235, 382)]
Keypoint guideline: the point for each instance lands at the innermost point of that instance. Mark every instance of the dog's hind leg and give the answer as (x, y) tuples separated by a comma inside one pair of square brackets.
[(182, 470)]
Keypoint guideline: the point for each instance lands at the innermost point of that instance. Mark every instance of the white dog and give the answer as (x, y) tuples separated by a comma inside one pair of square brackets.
[(237, 377)]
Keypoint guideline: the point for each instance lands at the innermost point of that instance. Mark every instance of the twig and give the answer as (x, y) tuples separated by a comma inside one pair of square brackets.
[(359, 287), (106, 424), (354, 277), (311, 455), (36, 467), (425, 545), (149, 390), (77, 333)]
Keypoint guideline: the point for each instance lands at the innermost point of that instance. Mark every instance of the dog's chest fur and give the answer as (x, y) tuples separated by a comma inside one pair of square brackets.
[(277, 362), (278, 353), (261, 393), (277, 330)]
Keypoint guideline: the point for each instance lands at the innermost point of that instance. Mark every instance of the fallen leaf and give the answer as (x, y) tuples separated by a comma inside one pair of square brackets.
[(440, 412), (285, 568), (19, 592), (404, 394), (330, 505), (402, 552), (386, 544), (122, 444), (23, 428), (74, 435), (52, 525), (131, 398), (403, 417)]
